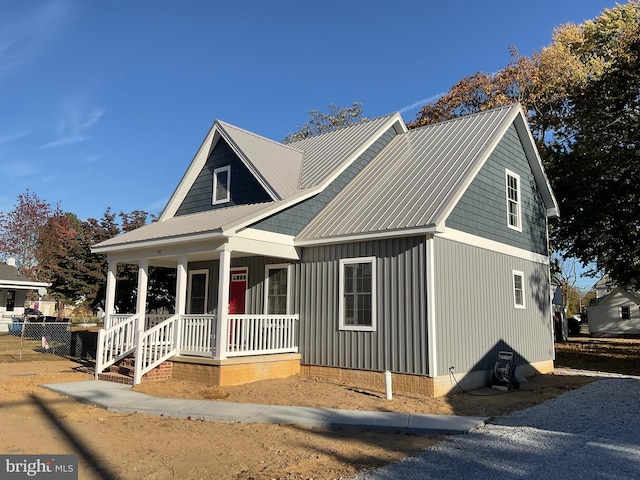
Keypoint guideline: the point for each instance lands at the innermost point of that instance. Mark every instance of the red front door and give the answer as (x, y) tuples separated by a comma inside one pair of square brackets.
[(237, 291)]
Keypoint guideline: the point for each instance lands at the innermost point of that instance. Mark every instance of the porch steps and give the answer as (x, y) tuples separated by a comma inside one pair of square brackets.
[(123, 372)]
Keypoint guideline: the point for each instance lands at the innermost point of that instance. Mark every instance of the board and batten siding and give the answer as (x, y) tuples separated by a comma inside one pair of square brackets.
[(399, 343), (244, 188), (482, 210), (292, 220), (475, 314), (254, 299)]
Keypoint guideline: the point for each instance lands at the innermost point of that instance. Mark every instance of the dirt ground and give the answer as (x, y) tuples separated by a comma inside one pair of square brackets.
[(136, 446)]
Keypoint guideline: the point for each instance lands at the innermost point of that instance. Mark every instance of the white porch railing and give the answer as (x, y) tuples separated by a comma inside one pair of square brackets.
[(197, 335), (116, 318), (261, 334), (154, 346), (116, 342), (153, 319)]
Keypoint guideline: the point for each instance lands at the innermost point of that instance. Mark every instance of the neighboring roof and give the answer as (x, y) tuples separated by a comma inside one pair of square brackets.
[(619, 291), (10, 277), (431, 166)]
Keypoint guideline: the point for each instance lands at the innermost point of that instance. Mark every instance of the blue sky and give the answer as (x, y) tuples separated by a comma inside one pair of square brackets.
[(104, 104)]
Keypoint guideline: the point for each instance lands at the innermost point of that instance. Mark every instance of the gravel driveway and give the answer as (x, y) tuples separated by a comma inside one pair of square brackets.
[(592, 432)]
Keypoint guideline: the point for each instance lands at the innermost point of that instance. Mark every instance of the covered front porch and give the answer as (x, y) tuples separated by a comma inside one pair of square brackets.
[(232, 300)]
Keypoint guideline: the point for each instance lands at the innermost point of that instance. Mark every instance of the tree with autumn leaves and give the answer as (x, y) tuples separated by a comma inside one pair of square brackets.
[(581, 95)]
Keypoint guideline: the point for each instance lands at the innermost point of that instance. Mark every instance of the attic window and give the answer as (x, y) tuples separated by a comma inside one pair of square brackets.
[(514, 211), (625, 313), (221, 184)]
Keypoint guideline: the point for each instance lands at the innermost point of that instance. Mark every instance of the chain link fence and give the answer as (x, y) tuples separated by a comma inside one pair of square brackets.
[(22, 340)]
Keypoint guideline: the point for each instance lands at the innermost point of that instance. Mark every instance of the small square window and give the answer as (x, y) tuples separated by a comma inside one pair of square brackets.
[(221, 185), (518, 289)]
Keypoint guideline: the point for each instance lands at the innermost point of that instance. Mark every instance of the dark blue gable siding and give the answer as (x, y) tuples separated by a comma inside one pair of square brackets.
[(482, 210), (292, 220), (244, 187)]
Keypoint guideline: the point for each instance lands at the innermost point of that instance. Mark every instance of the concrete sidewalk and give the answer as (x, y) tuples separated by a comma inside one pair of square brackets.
[(121, 398)]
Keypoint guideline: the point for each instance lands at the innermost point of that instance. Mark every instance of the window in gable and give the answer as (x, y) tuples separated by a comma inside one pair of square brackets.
[(518, 289), (221, 185), (358, 294), (514, 209), (625, 313)]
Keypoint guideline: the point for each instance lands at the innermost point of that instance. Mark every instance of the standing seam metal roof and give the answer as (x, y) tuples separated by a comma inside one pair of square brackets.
[(414, 181)]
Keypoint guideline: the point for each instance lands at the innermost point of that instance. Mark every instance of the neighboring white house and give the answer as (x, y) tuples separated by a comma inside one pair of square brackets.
[(14, 288), (616, 311)]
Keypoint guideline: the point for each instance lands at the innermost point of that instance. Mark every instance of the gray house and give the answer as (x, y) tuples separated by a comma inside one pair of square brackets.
[(345, 255)]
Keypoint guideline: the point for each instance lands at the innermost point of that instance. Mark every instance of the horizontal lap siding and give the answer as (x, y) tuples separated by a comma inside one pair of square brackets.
[(475, 313), (399, 342)]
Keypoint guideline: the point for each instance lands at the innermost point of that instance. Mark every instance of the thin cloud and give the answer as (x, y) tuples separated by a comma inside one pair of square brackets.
[(420, 103), (74, 126), (11, 137), (23, 38)]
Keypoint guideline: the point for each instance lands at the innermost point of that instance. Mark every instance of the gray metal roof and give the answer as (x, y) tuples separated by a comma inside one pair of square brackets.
[(212, 221), (324, 154), (416, 180), (279, 165)]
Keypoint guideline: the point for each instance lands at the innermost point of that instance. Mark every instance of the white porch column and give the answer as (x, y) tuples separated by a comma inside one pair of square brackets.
[(181, 298), (141, 305), (223, 304), (110, 294)]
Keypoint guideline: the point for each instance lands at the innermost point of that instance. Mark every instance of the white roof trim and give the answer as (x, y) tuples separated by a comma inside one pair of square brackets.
[(369, 236), (23, 284)]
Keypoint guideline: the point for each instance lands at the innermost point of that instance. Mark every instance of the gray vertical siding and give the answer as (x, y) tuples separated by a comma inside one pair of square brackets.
[(255, 284), (292, 220), (244, 187), (482, 209), (475, 315), (399, 343)]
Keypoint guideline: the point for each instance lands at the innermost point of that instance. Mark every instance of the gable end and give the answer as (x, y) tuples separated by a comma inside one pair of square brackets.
[(243, 189)]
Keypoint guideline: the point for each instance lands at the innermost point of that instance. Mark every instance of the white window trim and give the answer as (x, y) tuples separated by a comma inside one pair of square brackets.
[(215, 185), (622, 307), (364, 328), (509, 173), (206, 288), (276, 266), (515, 273)]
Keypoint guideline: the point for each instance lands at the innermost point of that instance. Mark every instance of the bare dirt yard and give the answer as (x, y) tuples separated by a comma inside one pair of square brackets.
[(136, 446)]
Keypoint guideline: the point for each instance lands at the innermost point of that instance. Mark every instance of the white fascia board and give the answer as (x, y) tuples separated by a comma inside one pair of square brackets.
[(493, 246), (168, 250), (264, 236), (410, 232), (247, 163), (258, 247), (192, 172), (535, 162), (182, 239)]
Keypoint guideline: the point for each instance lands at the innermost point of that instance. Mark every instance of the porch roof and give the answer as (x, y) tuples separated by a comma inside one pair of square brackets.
[(211, 223)]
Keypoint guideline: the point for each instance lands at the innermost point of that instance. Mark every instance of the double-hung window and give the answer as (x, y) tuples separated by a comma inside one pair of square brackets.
[(518, 289), (357, 301), (221, 185), (514, 208), (276, 289)]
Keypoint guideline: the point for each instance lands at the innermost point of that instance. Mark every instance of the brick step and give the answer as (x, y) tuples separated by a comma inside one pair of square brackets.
[(115, 378), (122, 369)]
